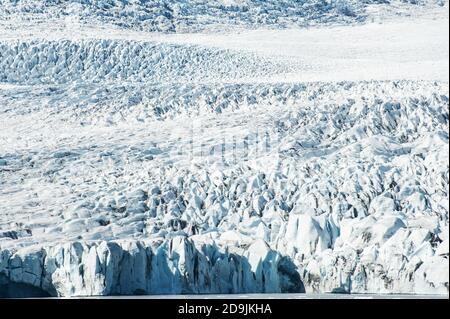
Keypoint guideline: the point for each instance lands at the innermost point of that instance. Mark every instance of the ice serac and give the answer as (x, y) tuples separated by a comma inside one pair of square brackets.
[(384, 256), (179, 265)]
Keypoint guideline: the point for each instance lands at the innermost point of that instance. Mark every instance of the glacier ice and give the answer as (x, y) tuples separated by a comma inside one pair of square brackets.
[(139, 164), (192, 15), (367, 223), (180, 265)]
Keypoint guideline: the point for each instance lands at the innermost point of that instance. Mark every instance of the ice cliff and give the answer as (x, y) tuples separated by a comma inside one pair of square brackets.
[(178, 265)]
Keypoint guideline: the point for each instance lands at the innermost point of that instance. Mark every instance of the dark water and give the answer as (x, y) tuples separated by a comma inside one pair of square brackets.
[(282, 296)]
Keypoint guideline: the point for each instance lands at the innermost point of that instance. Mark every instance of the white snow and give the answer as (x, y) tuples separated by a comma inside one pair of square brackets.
[(264, 157)]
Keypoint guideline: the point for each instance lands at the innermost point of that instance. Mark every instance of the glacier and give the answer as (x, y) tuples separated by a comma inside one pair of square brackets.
[(223, 147)]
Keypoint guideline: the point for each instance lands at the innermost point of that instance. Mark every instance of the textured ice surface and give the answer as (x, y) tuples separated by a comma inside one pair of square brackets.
[(200, 15), (261, 161)]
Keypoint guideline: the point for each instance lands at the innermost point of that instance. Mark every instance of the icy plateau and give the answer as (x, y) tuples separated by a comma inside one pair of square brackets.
[(184, 147)]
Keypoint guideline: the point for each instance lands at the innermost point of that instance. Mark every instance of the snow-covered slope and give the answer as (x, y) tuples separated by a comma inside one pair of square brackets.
[(133, 162)]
